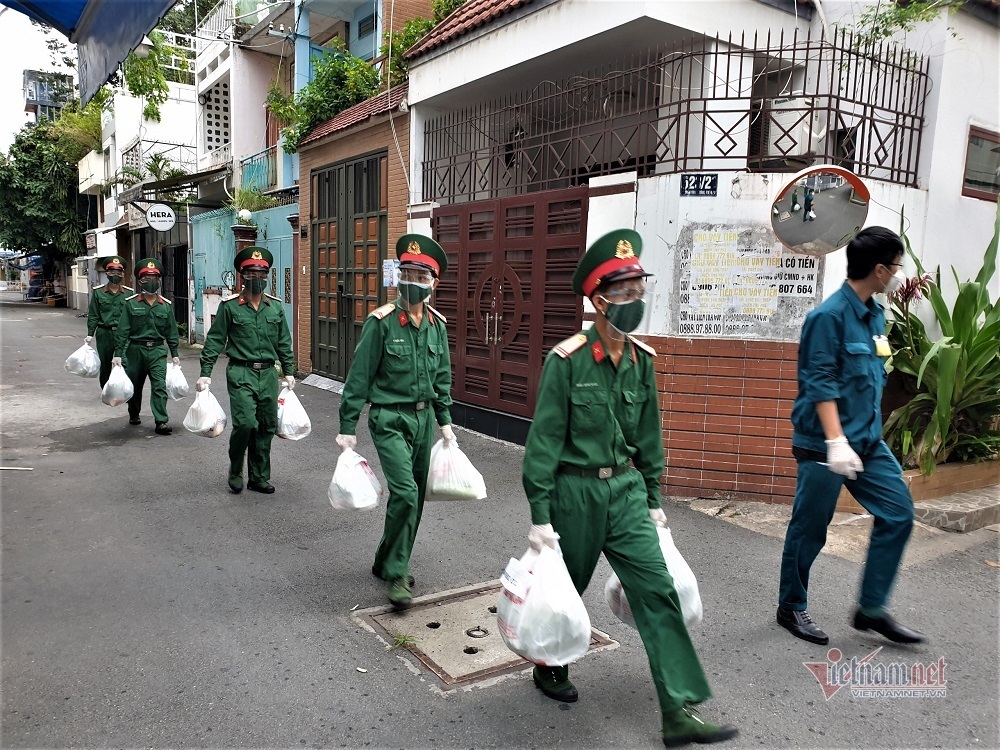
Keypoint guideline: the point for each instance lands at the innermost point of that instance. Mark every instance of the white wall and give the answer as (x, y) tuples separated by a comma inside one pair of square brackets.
[(178, 123), (251, 74)]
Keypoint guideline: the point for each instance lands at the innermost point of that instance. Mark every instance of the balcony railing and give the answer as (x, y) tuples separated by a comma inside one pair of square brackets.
[(260, 170)]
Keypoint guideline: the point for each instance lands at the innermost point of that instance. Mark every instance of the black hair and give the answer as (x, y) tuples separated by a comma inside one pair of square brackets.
[(870, 247)]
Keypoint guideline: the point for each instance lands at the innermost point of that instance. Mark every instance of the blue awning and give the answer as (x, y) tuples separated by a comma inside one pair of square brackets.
[(104, 31)]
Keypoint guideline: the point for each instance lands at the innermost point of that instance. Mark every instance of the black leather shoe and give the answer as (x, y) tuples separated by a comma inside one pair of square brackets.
[(801, 625), (163, 429), (267, 489), (554, 682), (409, 579), (134, 420), (235, 487), (888, 627)]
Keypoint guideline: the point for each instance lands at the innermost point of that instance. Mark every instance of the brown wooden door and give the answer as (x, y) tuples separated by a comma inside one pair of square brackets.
[(349, 227), (508, 291)]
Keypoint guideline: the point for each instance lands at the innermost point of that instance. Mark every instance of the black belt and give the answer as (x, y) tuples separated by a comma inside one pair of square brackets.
[(252, 365), (109, 328), (602, 472), (148, 343), (419, 406)]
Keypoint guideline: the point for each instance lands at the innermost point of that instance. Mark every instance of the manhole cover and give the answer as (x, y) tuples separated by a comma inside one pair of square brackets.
[(454, 635)]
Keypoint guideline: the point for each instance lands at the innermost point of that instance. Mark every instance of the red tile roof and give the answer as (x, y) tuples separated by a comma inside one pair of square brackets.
[(377, 105), (471, 15)]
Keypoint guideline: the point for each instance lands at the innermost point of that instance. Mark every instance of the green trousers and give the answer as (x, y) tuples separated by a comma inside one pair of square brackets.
[(104, 343), (883, 493), (402, 438), (253, 406), (139, 362), (611, 516)]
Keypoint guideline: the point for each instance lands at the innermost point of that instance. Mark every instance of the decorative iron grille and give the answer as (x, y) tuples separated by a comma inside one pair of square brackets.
[(753, 102)]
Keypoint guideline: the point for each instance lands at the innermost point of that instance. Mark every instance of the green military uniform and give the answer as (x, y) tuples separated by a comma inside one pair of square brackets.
[(102, 317), (404, 371), (254, 340), (592, 466), (139, 341)]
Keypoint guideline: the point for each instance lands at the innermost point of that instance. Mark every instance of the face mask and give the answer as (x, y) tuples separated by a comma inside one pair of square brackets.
[(414, 292), (256, 286), (897, 280), (114, 279), (150, 287), (625, 316)]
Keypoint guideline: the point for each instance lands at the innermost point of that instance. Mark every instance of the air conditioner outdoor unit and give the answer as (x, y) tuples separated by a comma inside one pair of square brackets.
[(790, 127)]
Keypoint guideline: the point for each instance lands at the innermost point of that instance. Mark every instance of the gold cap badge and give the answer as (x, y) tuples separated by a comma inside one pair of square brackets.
[(624, 249), (151, 264), (413, 247), (256, 255)]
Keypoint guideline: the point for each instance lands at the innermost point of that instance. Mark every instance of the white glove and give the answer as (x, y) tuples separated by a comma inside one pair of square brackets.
[(176, 361), (201, 384), (288, 382), (88, 339), (116, 361), (841, 458), (658, 517), (347, 442), (542, 536), (447, 433)]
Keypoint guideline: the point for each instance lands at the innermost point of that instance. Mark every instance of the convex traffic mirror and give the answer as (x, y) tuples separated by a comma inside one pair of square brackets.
[(820, 210)]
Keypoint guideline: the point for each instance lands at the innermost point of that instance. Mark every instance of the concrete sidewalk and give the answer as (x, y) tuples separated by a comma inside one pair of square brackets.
[(144, 605)]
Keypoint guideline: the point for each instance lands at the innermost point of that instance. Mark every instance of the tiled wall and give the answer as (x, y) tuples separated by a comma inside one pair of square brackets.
[(725, 413)]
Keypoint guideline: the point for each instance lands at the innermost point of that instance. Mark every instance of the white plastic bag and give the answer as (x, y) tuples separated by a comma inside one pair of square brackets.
[(540, 615), (118, 389), (812, 214), (796, 206), (177, 385), (84, 362), (206, 416), (293, 422), (684, 582), (354, 485), (452, 476)]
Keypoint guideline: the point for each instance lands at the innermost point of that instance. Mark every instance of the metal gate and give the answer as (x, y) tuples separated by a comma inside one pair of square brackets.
[(507, 292), (349, 226)]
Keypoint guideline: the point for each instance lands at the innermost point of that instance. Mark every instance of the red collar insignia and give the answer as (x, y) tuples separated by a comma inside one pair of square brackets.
[(242, 300), (598, 350), (403, 318)]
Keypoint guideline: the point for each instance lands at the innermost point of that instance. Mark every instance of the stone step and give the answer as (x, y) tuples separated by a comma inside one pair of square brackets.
[(962, 511)]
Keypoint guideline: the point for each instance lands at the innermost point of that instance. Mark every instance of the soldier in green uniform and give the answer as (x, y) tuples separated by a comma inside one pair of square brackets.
[(106, 302), (403, 368), (252, 329), (592, 467), (147, 320)]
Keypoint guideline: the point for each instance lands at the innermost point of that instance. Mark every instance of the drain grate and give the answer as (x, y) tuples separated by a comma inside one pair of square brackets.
[(454, 637)]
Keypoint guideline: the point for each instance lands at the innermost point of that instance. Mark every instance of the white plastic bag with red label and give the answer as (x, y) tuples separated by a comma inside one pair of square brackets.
[(451, 475), (685, 584), (540, 615), (354, 485), (293, 422), (119, 387), (206, 416), (177, 385)]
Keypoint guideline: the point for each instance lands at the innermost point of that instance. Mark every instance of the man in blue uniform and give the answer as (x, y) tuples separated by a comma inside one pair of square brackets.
[(838, 440)]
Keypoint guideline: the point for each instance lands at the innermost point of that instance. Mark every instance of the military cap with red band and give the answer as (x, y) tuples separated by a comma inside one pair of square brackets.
[(252, 257), (418, 249), (113, 262), (148, 266), (611, 258)]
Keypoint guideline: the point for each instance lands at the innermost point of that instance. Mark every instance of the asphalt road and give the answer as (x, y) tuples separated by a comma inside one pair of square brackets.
[(145, 606)]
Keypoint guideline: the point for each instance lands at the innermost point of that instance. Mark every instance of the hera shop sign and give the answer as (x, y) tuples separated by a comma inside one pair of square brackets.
[(160, 217)]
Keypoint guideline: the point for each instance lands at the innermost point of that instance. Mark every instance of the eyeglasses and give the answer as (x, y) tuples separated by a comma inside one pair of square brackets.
[(625, 295), (893, 265), (421, 277)]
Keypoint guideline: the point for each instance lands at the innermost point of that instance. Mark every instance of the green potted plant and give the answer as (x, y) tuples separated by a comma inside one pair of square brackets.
[(955, 378)]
